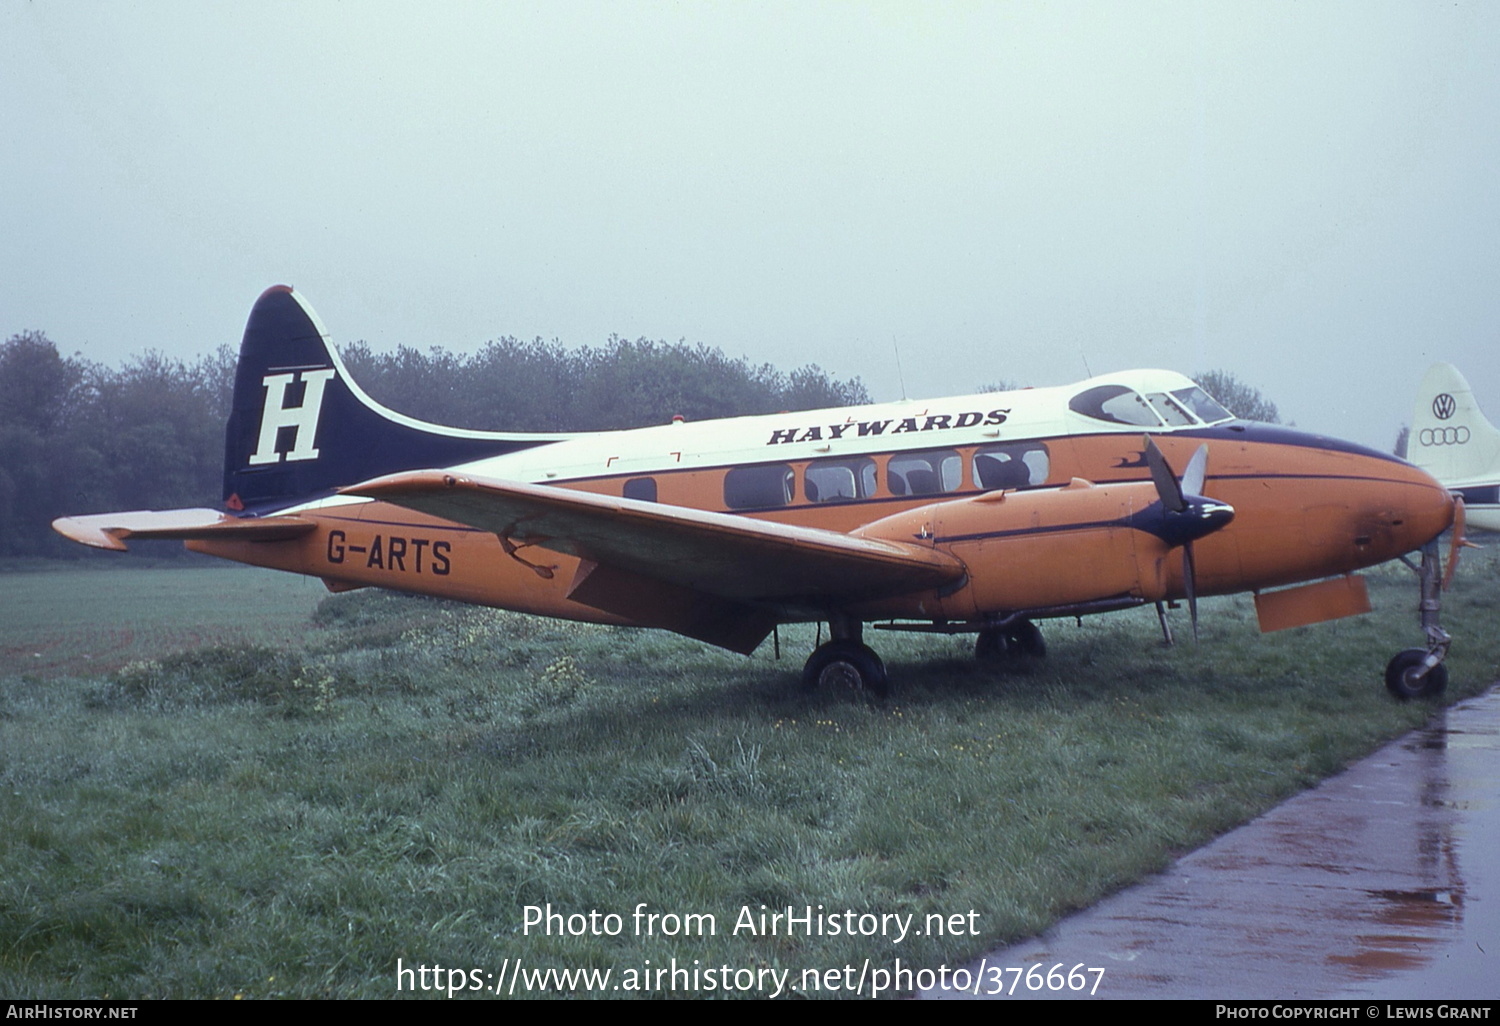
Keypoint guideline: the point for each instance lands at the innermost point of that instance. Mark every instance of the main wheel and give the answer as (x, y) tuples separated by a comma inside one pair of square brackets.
[(1025, 638), (997, 644), (846, 665), (991, 646), (1401, 677)]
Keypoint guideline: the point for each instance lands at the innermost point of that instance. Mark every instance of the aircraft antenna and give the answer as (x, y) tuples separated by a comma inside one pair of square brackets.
[(899, 376)]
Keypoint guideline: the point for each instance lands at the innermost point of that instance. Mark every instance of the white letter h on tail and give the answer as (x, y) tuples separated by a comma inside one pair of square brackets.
[(275, 415)]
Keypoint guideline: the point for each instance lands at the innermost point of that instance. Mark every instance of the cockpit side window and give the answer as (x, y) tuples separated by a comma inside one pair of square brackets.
[(1116, 404), (1169, 410), (1201, 404)]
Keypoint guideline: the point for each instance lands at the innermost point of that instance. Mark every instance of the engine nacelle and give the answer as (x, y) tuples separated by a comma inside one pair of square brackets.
[(1031, 550)]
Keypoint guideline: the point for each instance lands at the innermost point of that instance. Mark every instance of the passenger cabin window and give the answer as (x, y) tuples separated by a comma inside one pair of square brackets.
[(1202, 405), (839, 480), (642, 488), (1169, 410), (1013, 465), (1116, 404), (925, 473), (759, 487)]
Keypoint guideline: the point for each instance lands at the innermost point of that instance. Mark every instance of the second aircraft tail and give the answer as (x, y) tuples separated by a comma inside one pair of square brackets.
[(1450, 438)]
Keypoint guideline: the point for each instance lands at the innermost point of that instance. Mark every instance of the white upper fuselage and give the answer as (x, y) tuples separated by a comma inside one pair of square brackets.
[(906, 425)]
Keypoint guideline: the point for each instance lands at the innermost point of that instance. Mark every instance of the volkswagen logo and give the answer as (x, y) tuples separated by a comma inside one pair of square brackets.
[(1443, 436), (1443, 406)]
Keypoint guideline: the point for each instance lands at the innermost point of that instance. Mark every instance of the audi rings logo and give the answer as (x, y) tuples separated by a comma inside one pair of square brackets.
[(1443, 406), (1444, 436)]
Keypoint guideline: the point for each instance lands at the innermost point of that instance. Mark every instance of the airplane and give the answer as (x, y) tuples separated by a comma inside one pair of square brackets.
[(975, 514), (1454, 442)]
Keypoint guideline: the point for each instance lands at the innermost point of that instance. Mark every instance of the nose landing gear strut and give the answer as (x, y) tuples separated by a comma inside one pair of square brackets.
[(1419, 672)]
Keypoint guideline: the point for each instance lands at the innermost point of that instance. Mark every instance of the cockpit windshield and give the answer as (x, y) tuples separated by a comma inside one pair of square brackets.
[(1120, 404), (1202, 404), (1169, 409)]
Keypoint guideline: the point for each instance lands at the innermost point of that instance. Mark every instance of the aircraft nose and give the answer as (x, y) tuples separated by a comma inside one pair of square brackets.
[(1436, 507), (1389, 511), (1421, 510)]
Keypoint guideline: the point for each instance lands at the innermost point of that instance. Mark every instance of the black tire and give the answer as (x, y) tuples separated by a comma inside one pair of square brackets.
[(1025, 638), (1401, 682), (846, 665), (991, 646)]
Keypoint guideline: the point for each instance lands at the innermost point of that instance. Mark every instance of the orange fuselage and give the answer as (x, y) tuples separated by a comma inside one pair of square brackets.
[(1305, 507)]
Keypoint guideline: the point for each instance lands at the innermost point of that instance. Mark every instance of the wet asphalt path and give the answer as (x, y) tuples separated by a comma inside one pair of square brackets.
[(1382, 882)]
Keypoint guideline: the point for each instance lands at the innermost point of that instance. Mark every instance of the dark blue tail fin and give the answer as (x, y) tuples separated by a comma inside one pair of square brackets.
[(301, 429)]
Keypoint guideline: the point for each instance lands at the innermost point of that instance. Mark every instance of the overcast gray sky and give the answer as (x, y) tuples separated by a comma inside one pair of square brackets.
[(1304, 194)]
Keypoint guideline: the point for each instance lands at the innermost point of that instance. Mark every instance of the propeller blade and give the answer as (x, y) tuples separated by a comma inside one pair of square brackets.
[(1202, 515), (1458, 541), (1192, 477), (1166, 482), (1190, 583)]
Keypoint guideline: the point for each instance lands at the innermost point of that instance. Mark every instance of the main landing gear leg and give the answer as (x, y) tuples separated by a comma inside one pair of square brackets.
[(846, 661), (1419, 672)]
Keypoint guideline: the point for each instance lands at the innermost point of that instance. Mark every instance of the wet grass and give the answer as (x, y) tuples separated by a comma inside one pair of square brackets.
[(93, 616), (400, 778)]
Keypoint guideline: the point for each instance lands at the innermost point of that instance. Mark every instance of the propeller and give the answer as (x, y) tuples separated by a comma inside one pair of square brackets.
[(1187, 514)]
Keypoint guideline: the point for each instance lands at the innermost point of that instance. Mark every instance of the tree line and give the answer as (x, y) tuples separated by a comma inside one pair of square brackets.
[(80, 437)]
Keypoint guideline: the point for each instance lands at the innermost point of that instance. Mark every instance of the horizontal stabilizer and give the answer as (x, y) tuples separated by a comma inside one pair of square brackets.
[(719, 554), (109, 530)]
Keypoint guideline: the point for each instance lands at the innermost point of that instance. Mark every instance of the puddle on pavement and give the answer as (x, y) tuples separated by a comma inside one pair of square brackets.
[(1381, 882)]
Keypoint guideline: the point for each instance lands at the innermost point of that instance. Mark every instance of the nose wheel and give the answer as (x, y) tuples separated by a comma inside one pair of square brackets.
[(1408, 676)]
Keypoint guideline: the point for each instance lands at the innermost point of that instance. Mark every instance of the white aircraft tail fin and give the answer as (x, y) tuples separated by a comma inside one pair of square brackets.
[(1450, 438)]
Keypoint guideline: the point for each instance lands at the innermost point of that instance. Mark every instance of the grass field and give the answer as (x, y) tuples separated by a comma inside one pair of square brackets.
[(220, 783), (94, 619)]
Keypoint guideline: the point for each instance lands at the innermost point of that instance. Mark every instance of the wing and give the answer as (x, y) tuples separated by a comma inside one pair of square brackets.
[(109, 530), (636, 553)]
